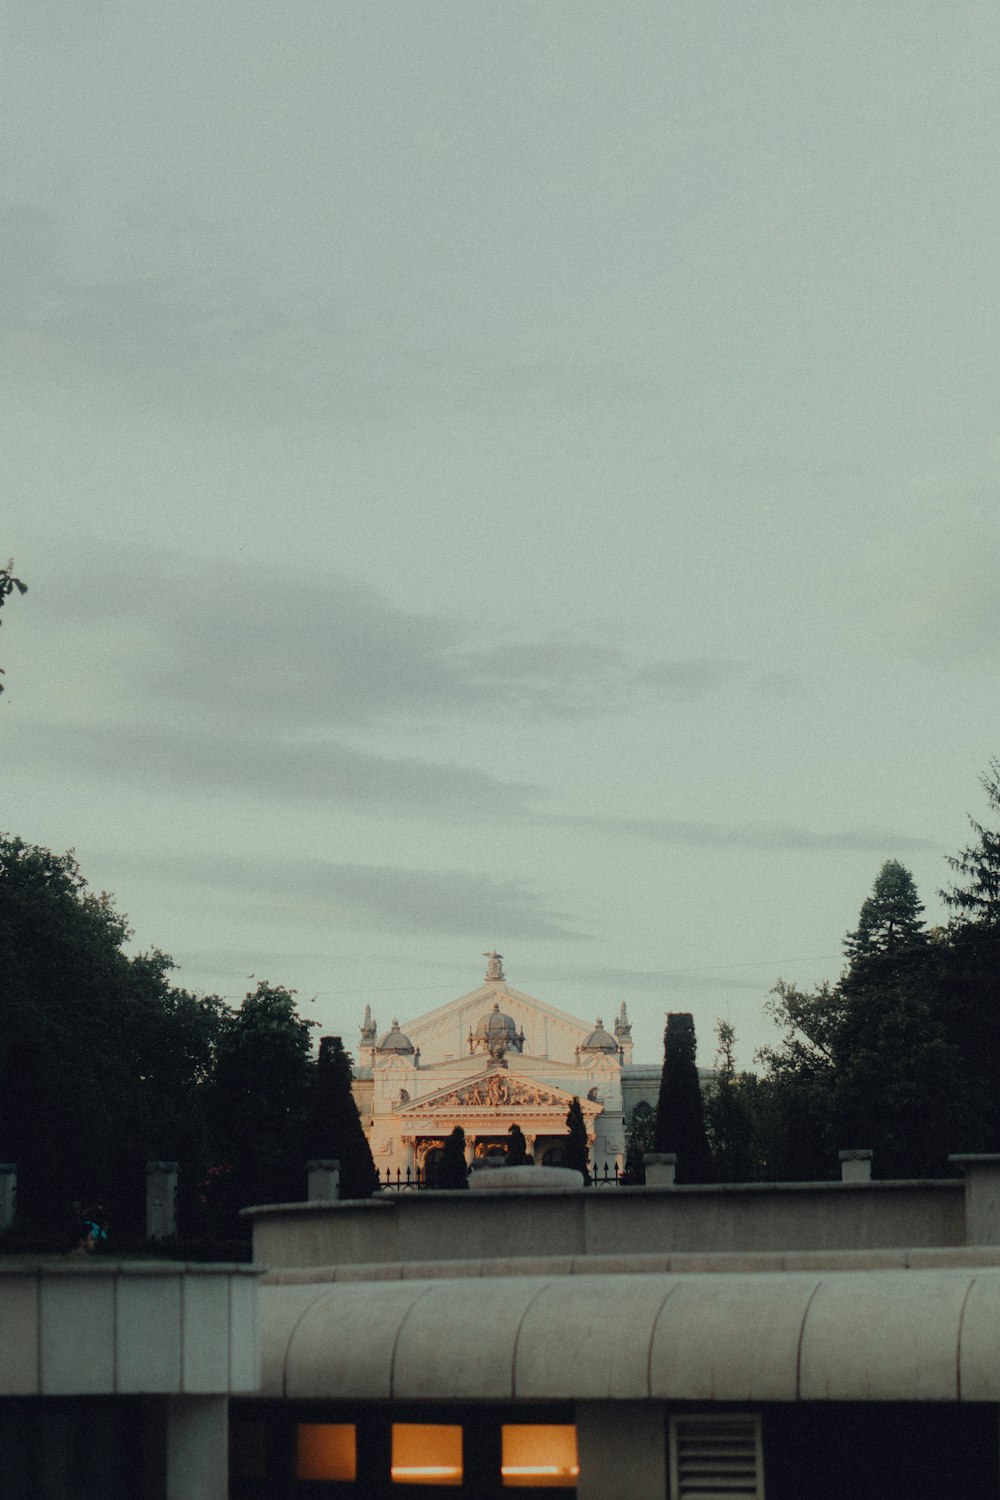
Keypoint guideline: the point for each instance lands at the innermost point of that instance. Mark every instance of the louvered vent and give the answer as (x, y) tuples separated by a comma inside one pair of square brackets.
[(716, 1458)]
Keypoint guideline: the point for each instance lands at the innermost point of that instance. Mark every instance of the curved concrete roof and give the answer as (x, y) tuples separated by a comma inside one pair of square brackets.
[(892, 1335)]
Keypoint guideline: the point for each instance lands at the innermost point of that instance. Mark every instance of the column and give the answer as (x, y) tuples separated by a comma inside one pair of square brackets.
[(622, 1450), (161, 1199), (197, 1448), (8, 1193), (982, 1197), (324, 1181)]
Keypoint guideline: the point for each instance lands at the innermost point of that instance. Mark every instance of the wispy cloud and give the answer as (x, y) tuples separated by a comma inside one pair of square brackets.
[(747, 835), (458, 903)]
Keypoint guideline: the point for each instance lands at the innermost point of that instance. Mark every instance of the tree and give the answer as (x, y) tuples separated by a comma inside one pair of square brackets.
[(576, 1143), (334, 1126), (729, 1122), (680, 1119), (890, 918), (517, 1150), (452, 1169), (978, 900), (102, 1061), (8, 583), (640, 1137), (259, 1098)]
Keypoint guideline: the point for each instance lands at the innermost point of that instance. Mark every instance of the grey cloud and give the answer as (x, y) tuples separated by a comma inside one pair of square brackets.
[(684, 681), (187, 329), (662, 981), (748, 835), (251, 647), (454, 902), (238, 765)]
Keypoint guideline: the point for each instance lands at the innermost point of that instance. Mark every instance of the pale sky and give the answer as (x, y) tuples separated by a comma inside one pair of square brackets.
[(514, 475)]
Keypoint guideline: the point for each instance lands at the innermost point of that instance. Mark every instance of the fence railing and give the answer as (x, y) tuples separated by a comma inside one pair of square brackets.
[(415, 1180)]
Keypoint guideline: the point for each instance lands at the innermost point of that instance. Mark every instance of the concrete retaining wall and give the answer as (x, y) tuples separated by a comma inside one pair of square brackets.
[(430, 1226)]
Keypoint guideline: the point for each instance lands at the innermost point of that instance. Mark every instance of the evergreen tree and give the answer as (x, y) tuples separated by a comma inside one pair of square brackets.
[(259, 1100), (517, 1150), (978, 900), (102, 1061), (335, 1129), (576, 1142), (890, 918), (728, 1114), (452, 1169), (680, 1117)]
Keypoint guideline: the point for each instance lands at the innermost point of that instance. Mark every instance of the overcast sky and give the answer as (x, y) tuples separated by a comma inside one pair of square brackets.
[(515, 475)]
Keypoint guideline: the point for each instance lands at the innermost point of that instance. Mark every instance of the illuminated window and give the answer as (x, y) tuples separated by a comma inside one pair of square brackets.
[(426, 1453), (539, 1456), (326, 1450)]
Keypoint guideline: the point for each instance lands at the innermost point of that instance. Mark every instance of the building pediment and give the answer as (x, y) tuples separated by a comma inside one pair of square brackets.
[(499, 1090)]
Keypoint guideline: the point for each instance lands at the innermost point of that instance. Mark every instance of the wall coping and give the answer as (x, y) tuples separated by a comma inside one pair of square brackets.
[(387, 1201)]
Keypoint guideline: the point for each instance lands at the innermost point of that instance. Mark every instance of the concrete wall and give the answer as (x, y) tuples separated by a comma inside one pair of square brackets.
[(424, 1226), (145, 1328)]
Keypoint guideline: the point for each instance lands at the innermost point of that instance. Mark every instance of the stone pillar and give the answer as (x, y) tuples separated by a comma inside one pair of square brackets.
[(622, 1449), (8, 1193), (324, 1181), (982, 1197), (855, 1166), (161, 1199), (197, 1448), (661, 1168), (529, 1142)]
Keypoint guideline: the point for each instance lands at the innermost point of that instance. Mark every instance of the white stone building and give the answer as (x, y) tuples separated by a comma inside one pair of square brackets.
[(488, 1060)]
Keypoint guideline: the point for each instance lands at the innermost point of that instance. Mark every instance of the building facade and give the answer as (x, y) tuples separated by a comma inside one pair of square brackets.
[(490, 1059)]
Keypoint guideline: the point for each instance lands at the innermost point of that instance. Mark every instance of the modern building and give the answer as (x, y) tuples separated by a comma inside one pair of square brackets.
[(770, 1341), (490, 1059)]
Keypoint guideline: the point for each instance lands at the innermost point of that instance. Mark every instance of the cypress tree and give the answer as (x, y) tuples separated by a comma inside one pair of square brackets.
[(335, 1127), (576, 1143), (680, 1115)]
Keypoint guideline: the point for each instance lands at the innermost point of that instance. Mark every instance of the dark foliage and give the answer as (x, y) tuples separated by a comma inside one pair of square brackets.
[(102, 1060), (680, 1117), (577, 1155), (8, 583), (257, 1104), (334, 1129)]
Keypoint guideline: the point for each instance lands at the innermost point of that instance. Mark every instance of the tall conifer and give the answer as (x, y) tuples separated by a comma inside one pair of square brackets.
[(680, 1116)]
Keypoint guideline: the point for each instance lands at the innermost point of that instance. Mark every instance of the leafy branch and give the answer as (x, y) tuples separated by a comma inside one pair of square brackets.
[(8, 583)]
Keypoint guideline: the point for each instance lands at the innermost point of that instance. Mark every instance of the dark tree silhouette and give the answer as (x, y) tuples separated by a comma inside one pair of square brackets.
[(8, 583), (680, 1115), (334, 1128), (979, 899), (576, 1143)]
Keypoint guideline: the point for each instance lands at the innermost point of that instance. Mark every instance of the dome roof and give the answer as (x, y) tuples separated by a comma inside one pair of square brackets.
[(495, 1023), (496, 1032), (395, 1041), (600, 1040)]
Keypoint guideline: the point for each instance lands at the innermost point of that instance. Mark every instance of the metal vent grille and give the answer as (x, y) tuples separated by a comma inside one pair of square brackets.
[(716, 1458)]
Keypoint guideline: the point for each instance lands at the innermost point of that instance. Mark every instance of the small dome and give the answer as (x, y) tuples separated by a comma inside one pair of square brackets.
[(600, 1040), (498, 1029), (396, 1041)]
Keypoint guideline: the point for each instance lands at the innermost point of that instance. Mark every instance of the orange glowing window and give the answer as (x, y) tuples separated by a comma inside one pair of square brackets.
[(426, 1453), (326, 1450), (542, 1456)]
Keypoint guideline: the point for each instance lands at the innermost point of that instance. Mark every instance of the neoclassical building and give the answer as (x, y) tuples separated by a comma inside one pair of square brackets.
[(490, 1059)]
